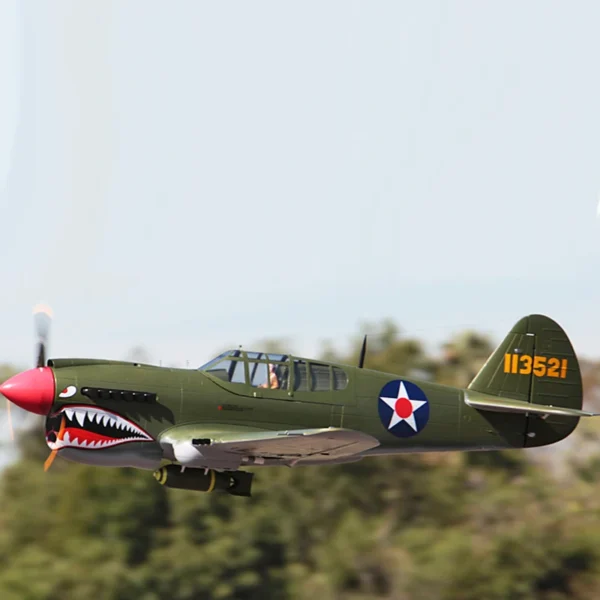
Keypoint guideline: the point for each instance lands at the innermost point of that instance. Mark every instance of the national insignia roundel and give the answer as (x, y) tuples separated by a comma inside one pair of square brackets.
[(403, 408)]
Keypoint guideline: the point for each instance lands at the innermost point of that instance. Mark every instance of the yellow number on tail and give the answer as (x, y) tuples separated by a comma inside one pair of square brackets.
[(526, 361), (553, 364), (540, 366), (563, 368)]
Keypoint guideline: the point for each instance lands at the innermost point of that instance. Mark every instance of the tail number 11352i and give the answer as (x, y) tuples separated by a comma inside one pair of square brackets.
[(540, 366)]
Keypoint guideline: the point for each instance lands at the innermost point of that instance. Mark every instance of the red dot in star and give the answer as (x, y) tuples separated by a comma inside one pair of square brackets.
[(403, 408)]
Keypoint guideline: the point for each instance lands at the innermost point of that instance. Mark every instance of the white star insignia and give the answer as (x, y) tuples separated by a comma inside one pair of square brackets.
[(396, 418)]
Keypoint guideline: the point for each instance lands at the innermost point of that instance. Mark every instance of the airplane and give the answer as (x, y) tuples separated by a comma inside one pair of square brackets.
[(197, 429)]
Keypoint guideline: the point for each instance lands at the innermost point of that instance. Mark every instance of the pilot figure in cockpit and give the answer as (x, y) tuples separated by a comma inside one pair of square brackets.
[(273, 382)]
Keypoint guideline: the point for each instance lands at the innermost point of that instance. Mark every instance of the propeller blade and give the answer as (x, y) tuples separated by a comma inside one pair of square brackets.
[(41, 355), (10, 425), (50, 460), (42, 319), (54, 452)]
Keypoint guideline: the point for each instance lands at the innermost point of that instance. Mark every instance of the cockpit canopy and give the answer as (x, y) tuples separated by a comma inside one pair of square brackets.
[(272, 371)]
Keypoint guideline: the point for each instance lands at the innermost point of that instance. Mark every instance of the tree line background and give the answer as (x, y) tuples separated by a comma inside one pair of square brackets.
[(518, 525)]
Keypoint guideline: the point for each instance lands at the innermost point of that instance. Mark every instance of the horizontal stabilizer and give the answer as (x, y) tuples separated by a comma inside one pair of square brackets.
[(494, 404)]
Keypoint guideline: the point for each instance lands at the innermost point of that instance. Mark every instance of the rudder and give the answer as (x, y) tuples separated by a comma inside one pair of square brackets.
[(535, 363)]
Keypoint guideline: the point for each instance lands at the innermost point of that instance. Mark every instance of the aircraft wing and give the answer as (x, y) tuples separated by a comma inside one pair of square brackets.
[(306, 445), (493, 404), (302, 443)]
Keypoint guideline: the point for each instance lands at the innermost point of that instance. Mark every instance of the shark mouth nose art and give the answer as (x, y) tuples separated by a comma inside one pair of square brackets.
[(91, 428)]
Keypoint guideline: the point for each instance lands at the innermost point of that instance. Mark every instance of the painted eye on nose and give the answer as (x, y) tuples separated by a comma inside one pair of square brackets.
[(69, 391)]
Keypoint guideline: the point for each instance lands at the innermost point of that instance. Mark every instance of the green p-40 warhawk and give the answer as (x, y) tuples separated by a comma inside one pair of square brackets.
[(197, 428)]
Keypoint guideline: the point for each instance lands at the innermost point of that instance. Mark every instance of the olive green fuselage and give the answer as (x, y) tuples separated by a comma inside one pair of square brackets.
[(167, 397)]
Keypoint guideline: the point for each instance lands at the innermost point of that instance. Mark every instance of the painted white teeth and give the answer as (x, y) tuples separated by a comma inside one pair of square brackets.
[(84, 416)]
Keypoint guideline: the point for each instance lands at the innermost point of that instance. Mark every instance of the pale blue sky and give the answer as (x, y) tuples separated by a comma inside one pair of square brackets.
[(188, 176)]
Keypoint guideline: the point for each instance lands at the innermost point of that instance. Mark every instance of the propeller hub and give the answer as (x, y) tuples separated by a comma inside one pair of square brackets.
[(31, 390)]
